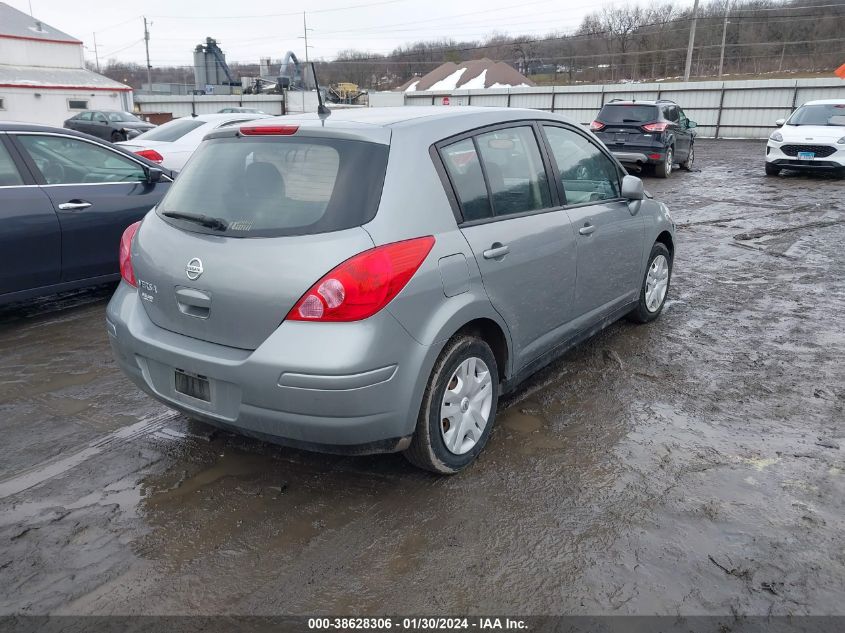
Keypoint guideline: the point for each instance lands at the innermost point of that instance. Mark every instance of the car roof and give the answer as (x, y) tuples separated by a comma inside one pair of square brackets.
[(218, 116), (643, 102), (826, 102)]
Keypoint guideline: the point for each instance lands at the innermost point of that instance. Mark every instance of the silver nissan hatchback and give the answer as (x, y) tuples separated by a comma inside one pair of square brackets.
[(374, 280)]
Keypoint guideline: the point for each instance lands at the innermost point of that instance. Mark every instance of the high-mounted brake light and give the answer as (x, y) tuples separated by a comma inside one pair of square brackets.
[(595, 126), (125, 256), (150, 154), (655, 127), (363, 284), (269, 130)]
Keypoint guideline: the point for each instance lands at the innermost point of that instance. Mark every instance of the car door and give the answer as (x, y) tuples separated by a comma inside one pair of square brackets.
[(100, 126), (689, 135), (80, 122), (96, 191), (30, 236), (521, 238), (679, 131), (610, 233)]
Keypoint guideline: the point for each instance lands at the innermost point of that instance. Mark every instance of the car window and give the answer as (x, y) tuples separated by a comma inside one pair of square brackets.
[(170, 131), (64, 161), (274, 186), (671, 113), (819, 114), (464, 171), (99, 117), (9, 175), (515, 170), (586, 173), (627, 113), (85, 116), (682, 118), (117, 117)]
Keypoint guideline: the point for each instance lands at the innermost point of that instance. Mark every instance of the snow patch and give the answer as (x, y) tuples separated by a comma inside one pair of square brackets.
[(450, 82), (412, 87), (476, 82)]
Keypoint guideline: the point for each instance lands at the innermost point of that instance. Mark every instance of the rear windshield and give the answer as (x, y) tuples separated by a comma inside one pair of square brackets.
[(171, 131), (820, 114), (272, 186), (628, 113)]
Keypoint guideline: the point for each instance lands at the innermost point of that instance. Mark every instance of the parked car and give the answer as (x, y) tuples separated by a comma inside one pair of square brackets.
[(110, 125), (812, 139), (647, 133), (65, 198), (241, 110), (171, 144), (374, 281)]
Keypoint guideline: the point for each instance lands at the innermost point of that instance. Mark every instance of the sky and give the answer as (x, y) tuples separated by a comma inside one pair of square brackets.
[(249, 29)]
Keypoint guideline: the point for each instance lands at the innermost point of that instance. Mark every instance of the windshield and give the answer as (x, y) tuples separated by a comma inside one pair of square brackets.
[(271, 186), (170, 131), (117, 117), (826, 114), (628, 113)]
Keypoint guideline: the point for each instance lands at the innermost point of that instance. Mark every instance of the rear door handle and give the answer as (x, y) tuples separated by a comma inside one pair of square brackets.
[(74, 205), (586, 229), (496, 251)]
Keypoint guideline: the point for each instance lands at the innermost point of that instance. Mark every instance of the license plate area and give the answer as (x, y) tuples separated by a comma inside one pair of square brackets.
[(806, 155), (192, 385), (621, 138)]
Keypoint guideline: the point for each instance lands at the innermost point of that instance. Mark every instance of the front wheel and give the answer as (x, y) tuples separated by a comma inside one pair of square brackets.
[(655, 285), (458, 408), (687, 164), (664, 169), (771, 170)]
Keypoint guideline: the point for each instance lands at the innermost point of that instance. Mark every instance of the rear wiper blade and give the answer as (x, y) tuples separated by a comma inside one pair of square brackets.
[(217, 224)]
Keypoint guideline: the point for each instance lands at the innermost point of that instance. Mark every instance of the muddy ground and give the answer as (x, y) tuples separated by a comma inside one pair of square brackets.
[(695, 465)]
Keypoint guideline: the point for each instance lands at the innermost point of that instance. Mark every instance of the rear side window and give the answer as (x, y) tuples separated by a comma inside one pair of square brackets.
[(9, 176), (171, 131), (464, 169), (515, 170), (269, 187), (627, 113)]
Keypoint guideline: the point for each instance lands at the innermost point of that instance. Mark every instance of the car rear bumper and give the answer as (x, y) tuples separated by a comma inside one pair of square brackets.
[(334, 387)]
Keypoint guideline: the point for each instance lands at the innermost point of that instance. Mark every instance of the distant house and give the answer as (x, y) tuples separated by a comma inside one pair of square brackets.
[(478, 73), (43, 78)]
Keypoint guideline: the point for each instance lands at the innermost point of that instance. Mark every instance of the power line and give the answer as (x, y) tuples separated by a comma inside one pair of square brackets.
[(275, 15)]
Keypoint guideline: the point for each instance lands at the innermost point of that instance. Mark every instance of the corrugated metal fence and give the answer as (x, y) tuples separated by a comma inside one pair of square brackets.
[(722, 109)]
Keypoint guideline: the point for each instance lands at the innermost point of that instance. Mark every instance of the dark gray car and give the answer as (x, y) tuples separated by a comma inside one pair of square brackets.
[(65, 199), (110, 125), (375, 280)]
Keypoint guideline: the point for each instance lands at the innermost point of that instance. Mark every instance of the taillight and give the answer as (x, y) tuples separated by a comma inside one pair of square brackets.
[(125, 257), (150, 154), (269, 130), (363, 284), (595, 126), (655, 127)]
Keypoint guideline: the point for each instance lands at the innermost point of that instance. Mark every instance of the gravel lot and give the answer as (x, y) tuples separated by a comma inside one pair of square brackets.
[(694, 465)]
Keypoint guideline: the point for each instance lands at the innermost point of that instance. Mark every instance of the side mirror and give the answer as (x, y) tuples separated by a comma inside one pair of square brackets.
[(154, 174), (780, 122), (632, 188), (691, 124)]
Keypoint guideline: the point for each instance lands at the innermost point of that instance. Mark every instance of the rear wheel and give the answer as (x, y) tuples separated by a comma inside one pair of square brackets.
[(687, 164), (655, 285), (458, 408), (664, 169), (771, 170)]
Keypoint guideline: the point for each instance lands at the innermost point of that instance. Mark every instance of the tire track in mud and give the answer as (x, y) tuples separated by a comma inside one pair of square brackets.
[(50, 469)]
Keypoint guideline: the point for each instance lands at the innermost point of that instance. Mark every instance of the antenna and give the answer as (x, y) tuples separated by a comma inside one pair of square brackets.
[(322, 110)]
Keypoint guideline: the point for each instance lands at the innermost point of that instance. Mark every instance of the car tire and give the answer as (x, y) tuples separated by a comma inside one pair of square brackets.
[(647, 309), (429, 449), (771, 170), (117, 137), (687, 164), (664, 169)]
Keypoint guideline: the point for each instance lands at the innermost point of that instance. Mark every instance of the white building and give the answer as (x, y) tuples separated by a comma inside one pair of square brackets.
[(43, 78)]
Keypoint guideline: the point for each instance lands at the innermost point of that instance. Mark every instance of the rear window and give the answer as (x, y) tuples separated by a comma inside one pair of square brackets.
[(269, 187), (171, 131), (628, 113)]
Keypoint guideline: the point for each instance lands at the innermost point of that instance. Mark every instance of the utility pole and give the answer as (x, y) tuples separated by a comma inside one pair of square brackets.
[(305, 33), (147, 46), (724, 36), (691, 40), (96, 54)]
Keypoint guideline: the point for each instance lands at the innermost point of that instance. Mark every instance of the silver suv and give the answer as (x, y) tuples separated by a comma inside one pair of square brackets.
[(373, 281)]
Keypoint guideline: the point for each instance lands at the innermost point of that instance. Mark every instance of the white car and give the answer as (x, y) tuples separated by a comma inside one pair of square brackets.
[(173, 143), (811, 139)]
